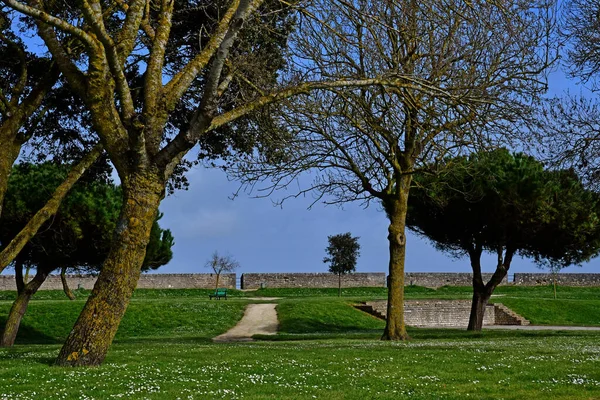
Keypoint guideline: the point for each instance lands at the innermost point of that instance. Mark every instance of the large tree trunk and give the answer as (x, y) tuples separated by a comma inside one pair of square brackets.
[(19, 307), (339, 285), (396, 209), (93, 333), (65, 284), (480, 300), (482, 292), (50, 208)]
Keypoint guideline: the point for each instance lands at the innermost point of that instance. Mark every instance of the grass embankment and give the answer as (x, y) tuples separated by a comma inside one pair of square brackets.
[(49, 321), (163, 352)]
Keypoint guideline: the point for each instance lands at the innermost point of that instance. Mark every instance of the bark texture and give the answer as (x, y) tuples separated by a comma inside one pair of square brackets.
[(10, 151), (483, 291), (94, 331), (50, 208), (18, 309), (396, 209), (65, 284)]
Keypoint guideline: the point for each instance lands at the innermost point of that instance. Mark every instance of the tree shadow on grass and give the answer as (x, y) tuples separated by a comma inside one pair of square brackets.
[(30, 335)]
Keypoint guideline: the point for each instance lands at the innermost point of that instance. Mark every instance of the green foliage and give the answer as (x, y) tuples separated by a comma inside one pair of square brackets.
[(79, 236), (158, 252), (343, 251), (502, 200)]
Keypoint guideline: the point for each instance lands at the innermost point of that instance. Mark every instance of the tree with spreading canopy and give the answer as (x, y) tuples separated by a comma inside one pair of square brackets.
[(472, 72), (342, 253), (157, 79), (506, 204), (77, 239)]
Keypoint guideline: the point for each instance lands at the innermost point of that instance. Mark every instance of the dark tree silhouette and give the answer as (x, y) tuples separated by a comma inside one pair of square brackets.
[(343, 251), (505, 204)]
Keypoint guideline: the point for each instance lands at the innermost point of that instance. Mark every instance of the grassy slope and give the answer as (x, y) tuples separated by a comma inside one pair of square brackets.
[(49, 321)]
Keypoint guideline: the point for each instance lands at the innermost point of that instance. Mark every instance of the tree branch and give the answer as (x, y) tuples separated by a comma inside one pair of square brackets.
[(183, 79), (73, 75), (128, 33), (153, 82), (93, 15), (43, 16)]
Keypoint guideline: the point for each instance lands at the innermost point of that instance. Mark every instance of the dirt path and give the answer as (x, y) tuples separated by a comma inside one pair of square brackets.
[(258, 319)]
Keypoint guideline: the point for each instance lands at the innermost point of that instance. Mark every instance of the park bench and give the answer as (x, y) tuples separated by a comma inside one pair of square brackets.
[(219, 293)]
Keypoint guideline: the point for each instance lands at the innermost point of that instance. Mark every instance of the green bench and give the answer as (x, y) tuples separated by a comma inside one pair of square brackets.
[(219, 293)]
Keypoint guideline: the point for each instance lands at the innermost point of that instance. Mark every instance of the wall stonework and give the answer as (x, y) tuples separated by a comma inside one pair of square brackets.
[(311, 280), (524, 279), (436, 313), (314, 280), (436, 280), (147, 281), (447, 313)]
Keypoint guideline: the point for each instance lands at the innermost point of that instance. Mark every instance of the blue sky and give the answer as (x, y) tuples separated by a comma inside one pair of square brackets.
[(264, 238)]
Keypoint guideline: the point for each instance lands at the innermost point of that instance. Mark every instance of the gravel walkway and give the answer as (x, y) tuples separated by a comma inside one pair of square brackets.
[(258, 319)]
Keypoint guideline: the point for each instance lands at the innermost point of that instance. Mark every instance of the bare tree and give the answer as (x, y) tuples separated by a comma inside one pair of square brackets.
[(471, 71), (221, 264), (204, 67), (569, 124)]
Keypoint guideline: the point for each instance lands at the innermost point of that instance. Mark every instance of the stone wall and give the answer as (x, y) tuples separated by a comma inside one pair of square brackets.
[(311, 280), (447, 313), (436, 280), (524, 279), (436, 313), (147, 281)]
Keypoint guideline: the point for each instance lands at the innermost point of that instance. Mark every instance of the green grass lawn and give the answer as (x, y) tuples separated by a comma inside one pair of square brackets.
[(325, 349)]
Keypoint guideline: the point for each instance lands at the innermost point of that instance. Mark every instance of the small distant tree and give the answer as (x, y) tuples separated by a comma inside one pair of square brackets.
[(221, 264), (343, 251)]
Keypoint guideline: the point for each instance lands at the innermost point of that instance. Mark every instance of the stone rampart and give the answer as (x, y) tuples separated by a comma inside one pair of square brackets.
[(436, 313), (147, 281), (526, 279), (311, 280), (438, 279), (447, 313)]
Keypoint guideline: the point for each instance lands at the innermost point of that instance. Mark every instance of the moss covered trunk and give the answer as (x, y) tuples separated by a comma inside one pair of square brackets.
[(18, 309), (93, 333), (396, 209), (9, 151)]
